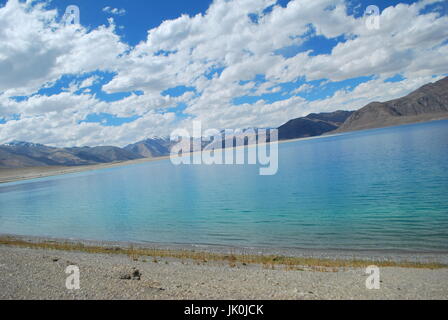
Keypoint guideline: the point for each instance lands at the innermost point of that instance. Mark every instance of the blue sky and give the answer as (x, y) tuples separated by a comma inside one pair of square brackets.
[(164, 81), (142, 15)]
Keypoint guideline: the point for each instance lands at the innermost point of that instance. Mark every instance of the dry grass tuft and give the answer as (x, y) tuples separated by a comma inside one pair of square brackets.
[(267, 261)]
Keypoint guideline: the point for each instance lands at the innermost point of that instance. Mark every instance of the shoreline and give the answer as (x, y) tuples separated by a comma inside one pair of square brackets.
[(8, 175), (37, 271), (288, 256), (30, 173)]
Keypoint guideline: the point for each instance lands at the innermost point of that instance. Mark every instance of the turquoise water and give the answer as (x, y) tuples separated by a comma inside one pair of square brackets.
[(378, 189)]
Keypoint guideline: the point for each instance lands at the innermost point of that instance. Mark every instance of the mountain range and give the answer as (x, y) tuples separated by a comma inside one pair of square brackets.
[(19, 154), (429, 102), (313, 125)]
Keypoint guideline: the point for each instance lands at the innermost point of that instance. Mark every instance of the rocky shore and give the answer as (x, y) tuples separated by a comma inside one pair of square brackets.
[(34, 273)]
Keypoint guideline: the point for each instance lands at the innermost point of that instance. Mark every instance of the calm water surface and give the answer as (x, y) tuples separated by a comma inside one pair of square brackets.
[(378, 189)]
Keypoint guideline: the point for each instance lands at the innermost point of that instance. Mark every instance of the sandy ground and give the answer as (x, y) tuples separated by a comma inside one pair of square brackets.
[(40, 274)]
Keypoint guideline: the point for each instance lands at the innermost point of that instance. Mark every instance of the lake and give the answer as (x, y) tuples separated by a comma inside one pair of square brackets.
[(383, 189)]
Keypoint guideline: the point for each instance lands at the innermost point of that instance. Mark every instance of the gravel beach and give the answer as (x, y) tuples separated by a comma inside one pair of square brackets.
[(27, 273)]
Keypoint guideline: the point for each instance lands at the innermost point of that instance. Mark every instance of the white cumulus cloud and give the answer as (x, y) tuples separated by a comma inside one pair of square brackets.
[(219, 53)]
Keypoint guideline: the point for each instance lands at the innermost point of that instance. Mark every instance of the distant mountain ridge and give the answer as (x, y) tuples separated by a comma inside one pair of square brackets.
[(429, 102), (312, 125), (25, 154), (151, 148)]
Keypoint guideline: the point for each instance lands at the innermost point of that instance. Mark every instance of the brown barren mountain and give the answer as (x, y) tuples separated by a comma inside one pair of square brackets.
[(430, 102), (313, 125)]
